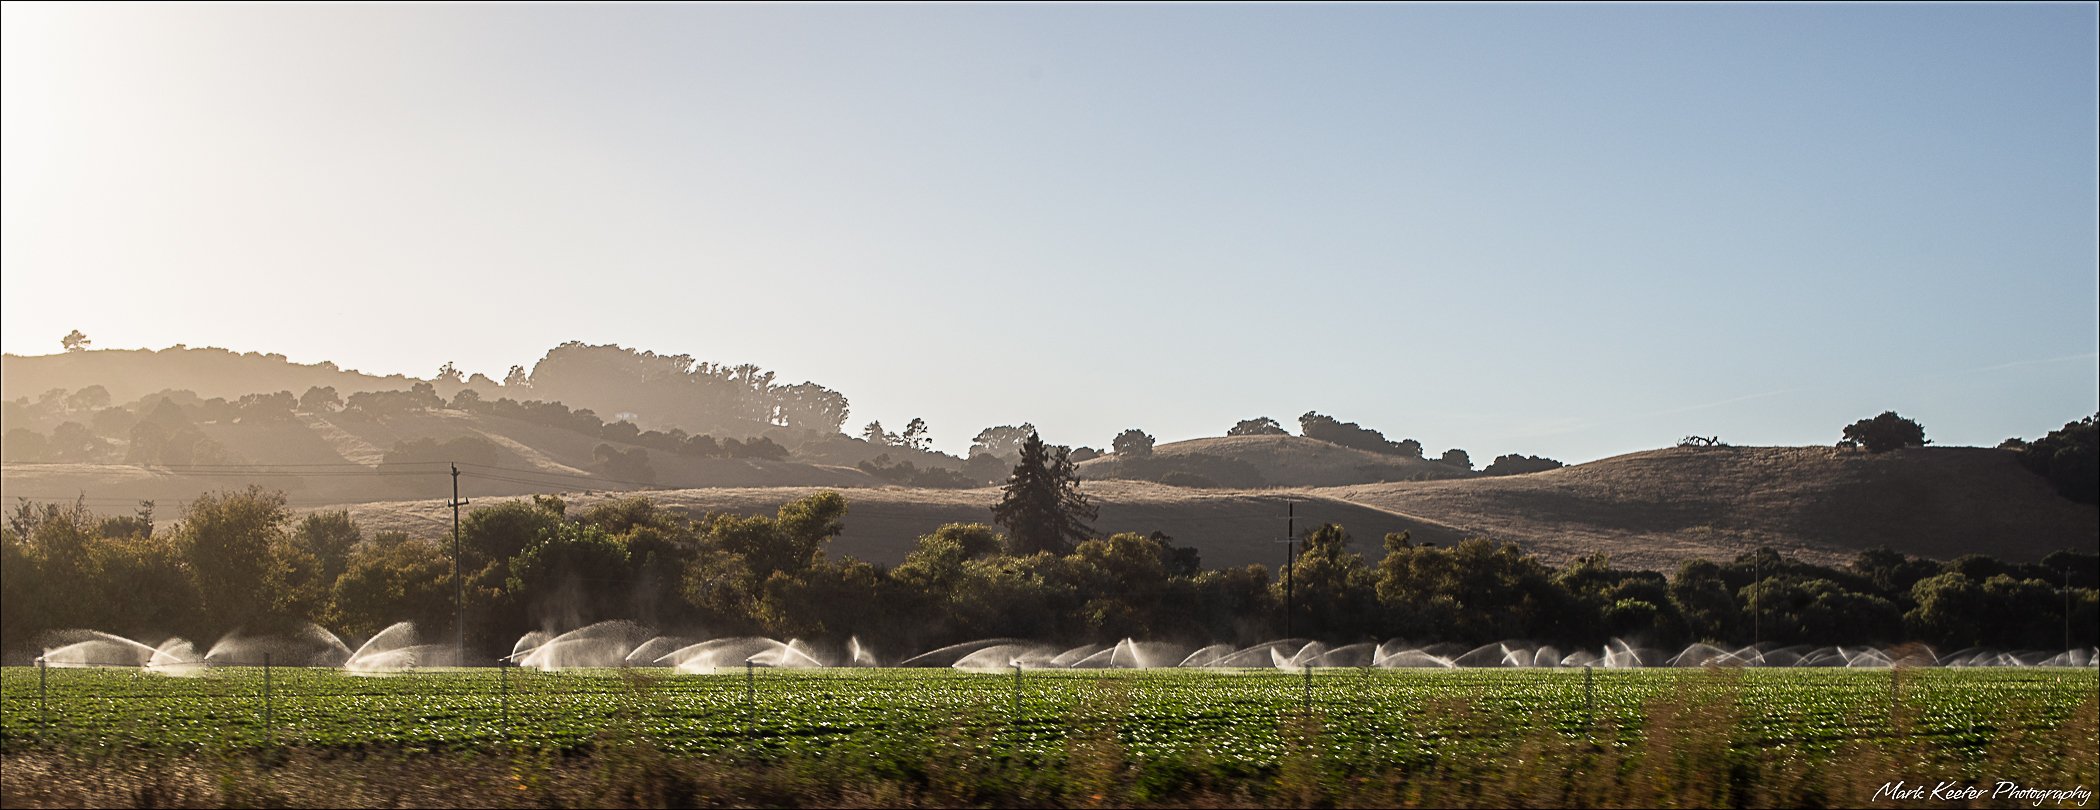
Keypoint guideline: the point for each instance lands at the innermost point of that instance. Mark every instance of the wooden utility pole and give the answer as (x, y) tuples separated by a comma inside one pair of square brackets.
[(459, 581)]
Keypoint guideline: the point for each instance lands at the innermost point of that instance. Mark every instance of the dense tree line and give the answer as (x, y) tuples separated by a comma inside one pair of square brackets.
[(1314, 425), (2069, 457), (1519, 464), (242, 560), (666, 390), (1258, 426)]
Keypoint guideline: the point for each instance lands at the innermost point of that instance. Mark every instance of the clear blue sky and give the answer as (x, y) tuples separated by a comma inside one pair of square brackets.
[(1564, 230)]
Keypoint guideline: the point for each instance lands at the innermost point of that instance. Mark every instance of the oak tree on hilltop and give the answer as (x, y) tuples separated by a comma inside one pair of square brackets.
[(1133, 442), (1884, 433), (1260, 426)]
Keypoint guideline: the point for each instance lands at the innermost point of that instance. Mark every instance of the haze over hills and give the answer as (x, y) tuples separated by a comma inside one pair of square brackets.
[(128, 374), (650, 390), (386, 456)]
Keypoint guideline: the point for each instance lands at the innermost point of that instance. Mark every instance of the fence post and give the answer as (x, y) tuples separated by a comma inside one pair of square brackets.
[(503, 674), (268, 736)]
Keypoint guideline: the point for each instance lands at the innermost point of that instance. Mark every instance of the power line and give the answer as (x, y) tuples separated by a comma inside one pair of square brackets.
[(563, 485), (553, 474), (218, 466), (291, 473)]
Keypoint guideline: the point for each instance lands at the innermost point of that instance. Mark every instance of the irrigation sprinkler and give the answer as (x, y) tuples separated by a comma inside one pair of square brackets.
[(1589, 691), (1017, 691), (43, 709), (1308, 688), (751, 690)]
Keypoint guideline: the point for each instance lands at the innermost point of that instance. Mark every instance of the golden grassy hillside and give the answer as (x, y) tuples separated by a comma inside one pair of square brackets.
[(1287, 461), (1657, 507), (1651, 510)]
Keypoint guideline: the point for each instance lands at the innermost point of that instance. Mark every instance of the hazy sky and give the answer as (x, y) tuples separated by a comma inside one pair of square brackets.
[(1569, 230)]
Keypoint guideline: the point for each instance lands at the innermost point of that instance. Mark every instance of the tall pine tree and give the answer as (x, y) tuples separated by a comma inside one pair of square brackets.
[(1042, 509)]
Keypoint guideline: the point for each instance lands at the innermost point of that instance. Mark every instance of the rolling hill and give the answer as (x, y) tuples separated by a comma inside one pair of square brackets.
[(128, 374), (1264, 461), (1648, 510), (324, 459), (1224, 496), (1656, 507)]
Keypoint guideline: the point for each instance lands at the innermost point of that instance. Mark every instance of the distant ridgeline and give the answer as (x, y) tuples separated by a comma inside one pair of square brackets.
[(89, 405)]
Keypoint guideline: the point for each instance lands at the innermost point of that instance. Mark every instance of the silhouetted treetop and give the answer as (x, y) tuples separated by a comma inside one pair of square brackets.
[(1315, 425), (1041, 507), (1259, 426), (1002, 442), (1517, 464), (1884, 433), (676, 390), (1132, 442)]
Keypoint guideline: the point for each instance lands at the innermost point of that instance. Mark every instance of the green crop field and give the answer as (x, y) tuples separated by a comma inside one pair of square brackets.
[(1384, 714), (1231, 725)]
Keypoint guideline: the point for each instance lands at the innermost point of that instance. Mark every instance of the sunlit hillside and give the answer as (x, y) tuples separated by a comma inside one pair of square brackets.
[(1648, 510), (1655, 507), (1257, 461), (121, 437)]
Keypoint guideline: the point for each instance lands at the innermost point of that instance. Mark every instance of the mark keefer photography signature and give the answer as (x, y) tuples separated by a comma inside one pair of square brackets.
[(1950, 791)]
